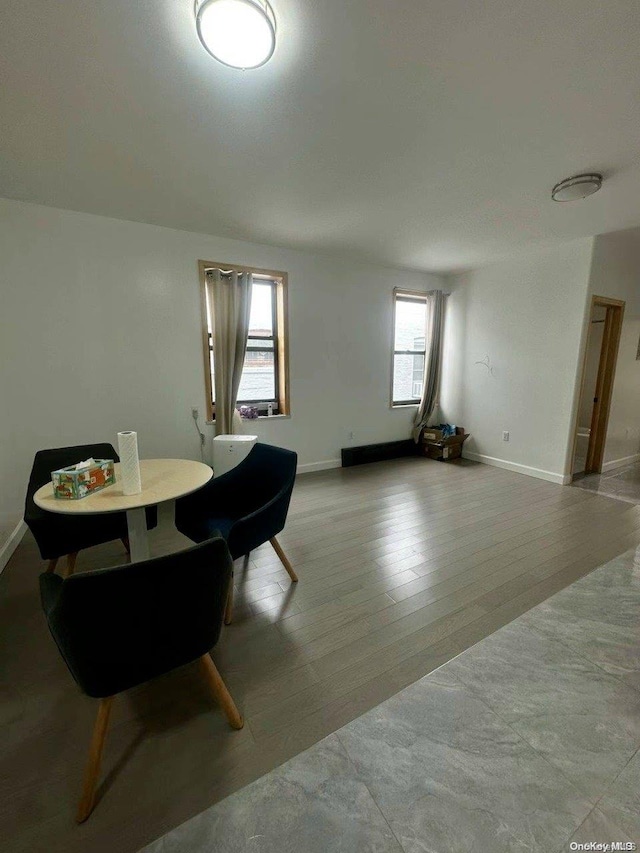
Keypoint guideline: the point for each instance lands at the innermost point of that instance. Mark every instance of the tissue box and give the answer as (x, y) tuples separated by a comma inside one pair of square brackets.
[(73, 483)]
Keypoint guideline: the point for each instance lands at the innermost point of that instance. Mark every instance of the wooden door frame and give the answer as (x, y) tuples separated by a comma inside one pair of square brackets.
[(605, 379)]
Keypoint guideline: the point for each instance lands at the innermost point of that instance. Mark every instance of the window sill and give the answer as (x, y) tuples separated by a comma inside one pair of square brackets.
[(259, 418)]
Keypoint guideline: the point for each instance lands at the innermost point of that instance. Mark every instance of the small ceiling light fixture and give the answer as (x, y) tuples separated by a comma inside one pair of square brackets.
[(578, 186), (238, 33)]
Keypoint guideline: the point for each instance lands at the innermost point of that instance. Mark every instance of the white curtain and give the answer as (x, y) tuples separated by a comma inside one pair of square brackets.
[(432, 362), (229, 299)]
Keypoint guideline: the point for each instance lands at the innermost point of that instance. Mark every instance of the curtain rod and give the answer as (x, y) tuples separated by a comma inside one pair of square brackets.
[(259, 275), (401, 291)]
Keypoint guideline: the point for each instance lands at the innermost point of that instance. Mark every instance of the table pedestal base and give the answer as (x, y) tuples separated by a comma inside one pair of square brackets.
[(138, 539)]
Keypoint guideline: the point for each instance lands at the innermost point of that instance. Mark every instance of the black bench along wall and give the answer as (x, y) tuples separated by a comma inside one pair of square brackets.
[(378, 452)]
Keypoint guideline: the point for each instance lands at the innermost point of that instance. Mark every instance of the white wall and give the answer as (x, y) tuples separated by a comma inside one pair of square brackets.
[(615, 272), (101, 332), (526, 314)]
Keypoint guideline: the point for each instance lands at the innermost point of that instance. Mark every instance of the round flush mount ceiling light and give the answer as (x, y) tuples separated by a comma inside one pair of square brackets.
[(238, 33), (578, 186)]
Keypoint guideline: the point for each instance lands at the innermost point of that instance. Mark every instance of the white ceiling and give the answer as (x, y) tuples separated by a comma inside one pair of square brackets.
[(421, 133)]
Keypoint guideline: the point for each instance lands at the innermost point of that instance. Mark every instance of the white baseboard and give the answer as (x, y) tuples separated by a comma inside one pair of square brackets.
[(550, 476), (12, 543), (319, 466), (619, 463)]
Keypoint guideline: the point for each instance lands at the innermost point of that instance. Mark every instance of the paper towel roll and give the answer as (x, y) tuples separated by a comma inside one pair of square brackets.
[(129, 462)]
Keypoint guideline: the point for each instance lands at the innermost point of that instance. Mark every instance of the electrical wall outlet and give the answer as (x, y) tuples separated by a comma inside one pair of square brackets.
[(195, 414), (505, 435)]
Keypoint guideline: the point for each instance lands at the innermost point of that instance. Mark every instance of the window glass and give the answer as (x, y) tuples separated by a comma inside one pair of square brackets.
[(409, 349)]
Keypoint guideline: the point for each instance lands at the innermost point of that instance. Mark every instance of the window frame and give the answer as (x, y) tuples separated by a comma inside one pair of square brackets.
[(401, 294), (263, 403), (280, 326)]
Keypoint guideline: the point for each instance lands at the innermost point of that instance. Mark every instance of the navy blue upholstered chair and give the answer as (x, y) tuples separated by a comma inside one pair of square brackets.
[(60, 535), (248, 505), (119, 627)]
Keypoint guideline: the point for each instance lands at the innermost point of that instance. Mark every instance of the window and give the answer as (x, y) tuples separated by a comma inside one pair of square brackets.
[(409, 325), (264, 381)]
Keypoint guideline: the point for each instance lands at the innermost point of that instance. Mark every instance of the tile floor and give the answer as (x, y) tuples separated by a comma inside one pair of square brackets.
[(621, 483), (527, 741)]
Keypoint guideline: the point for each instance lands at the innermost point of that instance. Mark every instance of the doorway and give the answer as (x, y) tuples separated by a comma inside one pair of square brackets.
[(598, 374)]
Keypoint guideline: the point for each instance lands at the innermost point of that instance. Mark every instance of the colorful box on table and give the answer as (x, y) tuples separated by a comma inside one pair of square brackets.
[(74, 483)]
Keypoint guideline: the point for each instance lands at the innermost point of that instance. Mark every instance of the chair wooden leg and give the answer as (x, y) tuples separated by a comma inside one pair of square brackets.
[(88, 797), (71, 563), (125, 542), (283, 559), (52, 565), (220, 692), (228, 610)]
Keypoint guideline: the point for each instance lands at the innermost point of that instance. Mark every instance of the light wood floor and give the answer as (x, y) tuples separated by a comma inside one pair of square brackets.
[(402, 566)]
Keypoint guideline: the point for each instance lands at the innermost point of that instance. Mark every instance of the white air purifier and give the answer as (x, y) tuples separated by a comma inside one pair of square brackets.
[(230, 450)]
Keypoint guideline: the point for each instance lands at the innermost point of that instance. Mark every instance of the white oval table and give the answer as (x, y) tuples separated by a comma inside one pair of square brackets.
[(162, 480)]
